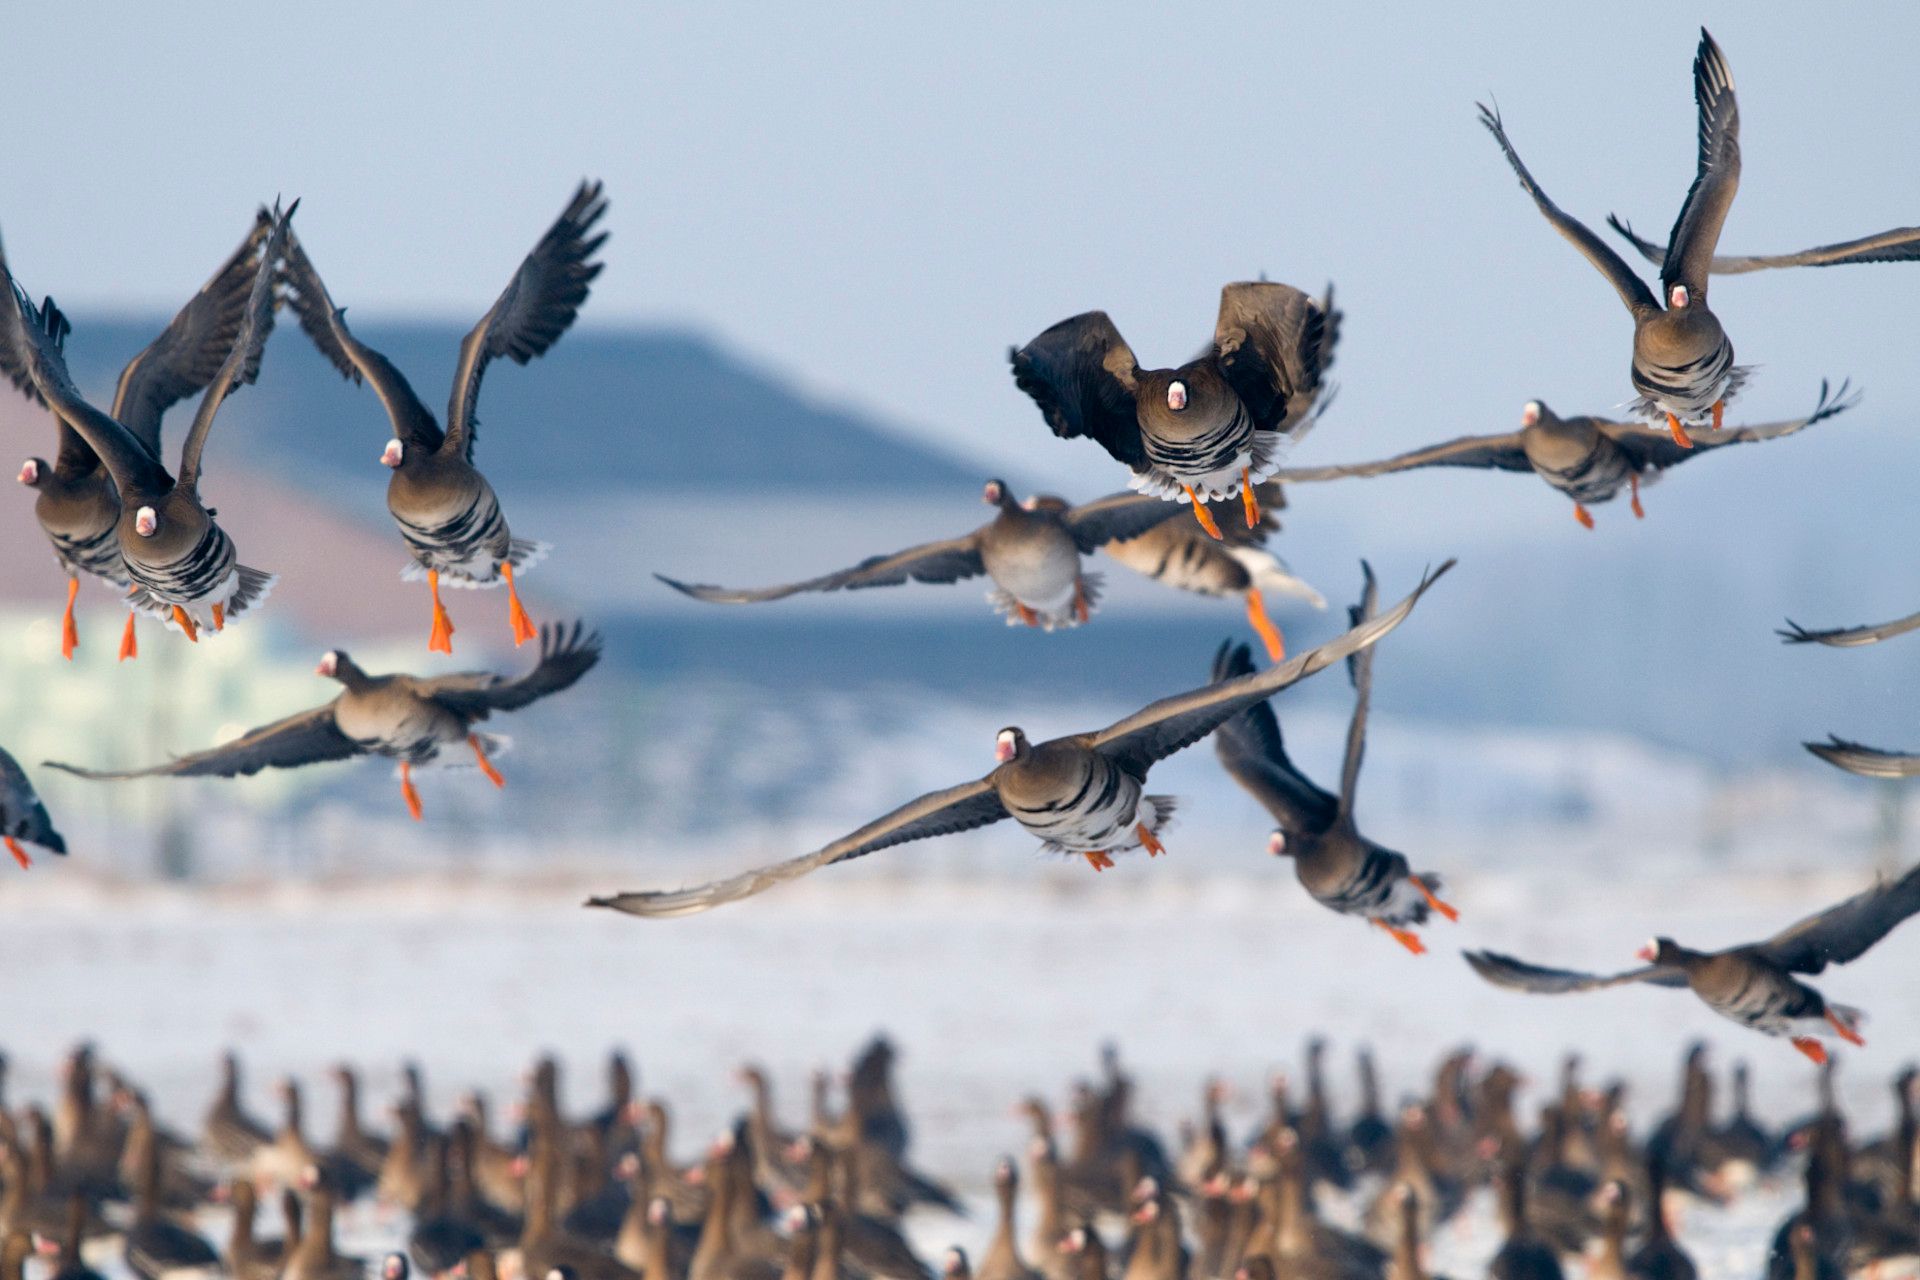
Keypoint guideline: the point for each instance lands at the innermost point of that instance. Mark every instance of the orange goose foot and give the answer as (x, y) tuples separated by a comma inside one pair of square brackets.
[(185, 623), (486, 765), (1405, 937), (1248, 499), (1149, 841), (1680, 436), (1811, 1047), (1446, 909), (523, 628), (1081, 612), (1583, 515), (129, 644), (19, 854), (440, 639), (69, 634), (1263, 626), (219, 617), (409, 792), (1026, 615), (1845, 1029), (1098, 859), (1200, 513), (1719, 412)]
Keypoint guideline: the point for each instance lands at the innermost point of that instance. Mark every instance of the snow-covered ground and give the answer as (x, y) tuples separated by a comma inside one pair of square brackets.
[(994, 985)]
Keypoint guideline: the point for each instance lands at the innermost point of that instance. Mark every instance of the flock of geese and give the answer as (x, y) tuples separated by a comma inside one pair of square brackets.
[(1209, 434), (1306, 1194)]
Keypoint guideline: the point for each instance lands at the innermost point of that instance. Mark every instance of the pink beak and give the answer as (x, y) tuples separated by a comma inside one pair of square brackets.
[(390, 457), (1276, 844), (29, 472), (990, 495), (326, 666), (1003, 751), (1176, 396), (144, 524), (1647, 953)]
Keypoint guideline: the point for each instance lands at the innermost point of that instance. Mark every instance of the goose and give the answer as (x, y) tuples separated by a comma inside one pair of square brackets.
[(23, 818)]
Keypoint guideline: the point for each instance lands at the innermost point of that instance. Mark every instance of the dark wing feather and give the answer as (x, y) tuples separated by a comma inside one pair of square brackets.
[(1901, 244), (537, 306), (1851, 637), (1845, 931), (1697, 230), (242, 363), (40, 334), (310, 737), (1360, 672), (1272, 343), (326, 326), (1250, 749), (17, 794), (1868, 762), (15, 357), (1632, 289), (948, 561), (1167, 726), (1647, 448), (191, 349), (1117, 517), (1506, 971), (961, 808), (1082, 374), (566, 654), (1494, 453)]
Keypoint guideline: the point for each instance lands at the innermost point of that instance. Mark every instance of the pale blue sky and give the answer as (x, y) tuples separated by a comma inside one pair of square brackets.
[(878, 199)]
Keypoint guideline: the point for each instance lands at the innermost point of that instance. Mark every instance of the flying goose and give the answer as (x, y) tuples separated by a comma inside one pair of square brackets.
[(1587, 458), (1339, 867), (448, 514), (1682, 361), (1902, 244), (1752, 984), (1174, 552), (1868, 762), (1030, 551), (1210, 428), (76, 503), (412, 719), (1083, 794), (182, 564), (1850, 637), (23, 819)]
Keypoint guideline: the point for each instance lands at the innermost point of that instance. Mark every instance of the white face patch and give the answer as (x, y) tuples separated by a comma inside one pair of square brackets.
[(145, 521), (1176, 396), (1530, 413), (1678, 296), (29, 471), (1277, 843), (1649, 950), (329, 663), (1005, 745), (393, 453), (991, 494)]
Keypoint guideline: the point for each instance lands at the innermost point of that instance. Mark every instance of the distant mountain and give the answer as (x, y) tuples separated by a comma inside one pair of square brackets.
[(654, 410)]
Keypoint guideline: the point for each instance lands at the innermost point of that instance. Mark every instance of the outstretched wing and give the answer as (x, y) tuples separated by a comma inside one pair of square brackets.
[(961, 808), (308, 738), (1846, 930), (326, 327), (1716, 178), (1251, 750), (538, 305), (1506, 971), (566, 654), (191, 349), (1868, 762), (242, 363), (1360, 671), (1157, 731), (1082, 374), (1632, 289), (1902, 244), (1494, 453), (1119, 516), (1850, 637), (1647, 448), (1275, 344), (948, 561)]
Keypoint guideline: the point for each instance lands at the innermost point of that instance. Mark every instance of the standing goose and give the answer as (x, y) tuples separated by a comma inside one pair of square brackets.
[(1210, 428), (1030, 550), (1082, 794), (1589, 459), (412, 719), (447, 512), (76, 503), (23, 819), (1902, 244), (1868, 762), (1341, 868), (1682, 361), (182, 564), (1752, 984), (1238, 564)]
